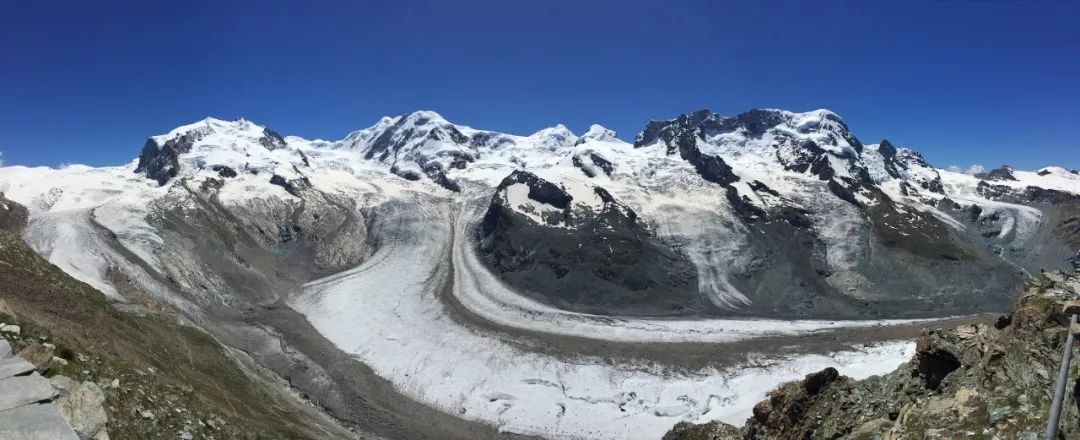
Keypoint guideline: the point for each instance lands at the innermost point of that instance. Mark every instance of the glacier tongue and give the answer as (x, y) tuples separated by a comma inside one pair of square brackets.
[(394, 321)]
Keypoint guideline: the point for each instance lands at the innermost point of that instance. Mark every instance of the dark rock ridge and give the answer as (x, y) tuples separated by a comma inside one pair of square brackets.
[(224, 171), (293, 186), (899, 162), (162, 162), (681, 134), (604, 261), (992, 379), (594, 161), (13, 216), (271, 140), (1003, 172)]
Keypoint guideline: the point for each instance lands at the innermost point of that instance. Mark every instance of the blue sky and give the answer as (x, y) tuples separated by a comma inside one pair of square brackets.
[(963, 82)]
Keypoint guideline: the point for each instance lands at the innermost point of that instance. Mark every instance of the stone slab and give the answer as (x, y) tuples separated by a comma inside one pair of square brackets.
[(14, 366), (24, 390), (35, 422)]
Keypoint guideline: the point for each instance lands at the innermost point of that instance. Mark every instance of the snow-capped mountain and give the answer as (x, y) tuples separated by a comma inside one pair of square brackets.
[(396, 234), (779, 212)]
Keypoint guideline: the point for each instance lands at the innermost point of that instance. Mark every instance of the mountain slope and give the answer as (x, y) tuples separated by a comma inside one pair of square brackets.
[(163, 365), (992, 380)]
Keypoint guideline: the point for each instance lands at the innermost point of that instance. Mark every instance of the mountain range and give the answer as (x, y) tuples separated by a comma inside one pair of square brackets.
[(702, 221)]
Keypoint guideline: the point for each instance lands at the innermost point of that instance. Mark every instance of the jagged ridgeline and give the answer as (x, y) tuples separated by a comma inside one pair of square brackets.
[(767, 213)]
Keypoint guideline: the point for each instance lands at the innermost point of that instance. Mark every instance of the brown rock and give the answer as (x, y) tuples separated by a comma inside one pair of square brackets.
[(1071, 308), (762, 410), (814, 382), (875, 429), (707, 431), (39, 355)]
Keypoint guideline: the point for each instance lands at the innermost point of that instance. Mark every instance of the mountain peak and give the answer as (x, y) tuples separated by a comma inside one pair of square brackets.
[(424, 117), (160, 158), (554, 138), (598, 132), (557, 129)]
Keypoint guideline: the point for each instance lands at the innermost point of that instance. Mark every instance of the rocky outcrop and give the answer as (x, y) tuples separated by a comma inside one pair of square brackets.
[(992, 380), (271, 140), (83, 406), (1001, 173), (28, 408), (681, 135), (162, 162), (706, 431), (597, 259), (590, 163), (292, 186), (13, 216)]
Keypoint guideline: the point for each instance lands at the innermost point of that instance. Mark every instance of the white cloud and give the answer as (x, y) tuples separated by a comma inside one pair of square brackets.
[(973, 169), (1, 158)]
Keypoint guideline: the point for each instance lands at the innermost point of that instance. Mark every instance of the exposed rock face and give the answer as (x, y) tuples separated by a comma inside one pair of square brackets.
[(271, 140), (294, 186), (162, 162), (224, 171), (27, 400), (989, 380), (706, 431), (1003, 172), (682, 134), (597, 258), (83, 408), (590, 162), (13, 216), (904, 163)]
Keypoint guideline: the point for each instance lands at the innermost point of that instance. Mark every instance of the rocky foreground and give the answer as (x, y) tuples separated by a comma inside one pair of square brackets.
[(979, 381)]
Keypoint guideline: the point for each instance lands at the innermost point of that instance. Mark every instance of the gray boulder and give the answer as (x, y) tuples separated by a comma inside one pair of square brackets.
[(24, 390), (84, 409), (35, 422), (14, 366)]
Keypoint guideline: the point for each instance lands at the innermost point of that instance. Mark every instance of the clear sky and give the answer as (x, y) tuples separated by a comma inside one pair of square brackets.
[(965, 82)]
